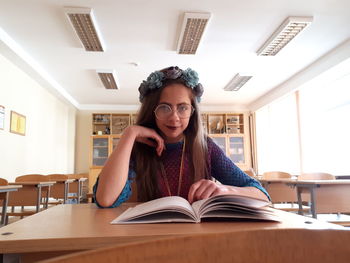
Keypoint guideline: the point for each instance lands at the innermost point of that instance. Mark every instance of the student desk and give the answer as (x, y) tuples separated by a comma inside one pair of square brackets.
[(69, 228), (4, 197), (60, 190), (279, 191), (25, 196), (326, 196)]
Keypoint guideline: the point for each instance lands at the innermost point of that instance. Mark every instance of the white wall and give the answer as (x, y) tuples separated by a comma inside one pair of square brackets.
[(49, 143)]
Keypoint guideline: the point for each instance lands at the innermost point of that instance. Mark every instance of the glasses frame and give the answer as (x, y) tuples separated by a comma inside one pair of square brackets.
[(162, 104)]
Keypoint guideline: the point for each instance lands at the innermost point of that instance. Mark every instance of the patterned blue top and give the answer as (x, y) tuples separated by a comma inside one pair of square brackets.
[(220, 166)]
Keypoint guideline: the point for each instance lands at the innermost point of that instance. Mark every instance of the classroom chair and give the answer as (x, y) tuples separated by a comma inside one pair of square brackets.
[(316, 176)]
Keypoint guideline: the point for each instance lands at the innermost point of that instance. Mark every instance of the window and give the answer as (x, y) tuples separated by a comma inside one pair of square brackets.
[(277, 136), (325, 127)]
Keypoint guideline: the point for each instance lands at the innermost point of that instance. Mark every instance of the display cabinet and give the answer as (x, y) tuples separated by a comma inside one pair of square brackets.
[(216, 124), (101, 123), (100, 150), (236, 150), (234, 123), (119, 123)]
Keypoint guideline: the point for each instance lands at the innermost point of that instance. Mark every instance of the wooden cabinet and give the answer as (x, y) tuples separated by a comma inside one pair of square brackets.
[(229, 131), (109, 123)]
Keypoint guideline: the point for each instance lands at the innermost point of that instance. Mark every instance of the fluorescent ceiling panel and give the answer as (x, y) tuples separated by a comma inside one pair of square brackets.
[(237, 82), (289, 29), (85, 26), (192, 31), (108, 79)]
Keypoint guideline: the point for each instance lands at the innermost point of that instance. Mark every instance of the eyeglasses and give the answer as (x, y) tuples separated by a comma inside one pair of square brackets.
[(164, 111)]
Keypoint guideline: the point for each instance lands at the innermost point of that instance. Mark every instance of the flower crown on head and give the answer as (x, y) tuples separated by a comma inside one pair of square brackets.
[(156, 80)]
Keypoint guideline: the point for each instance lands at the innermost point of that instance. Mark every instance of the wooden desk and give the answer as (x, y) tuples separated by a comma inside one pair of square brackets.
[(4, 196), (279, 191), (68, 228), (326, 196), (60, 190), (25, 196)]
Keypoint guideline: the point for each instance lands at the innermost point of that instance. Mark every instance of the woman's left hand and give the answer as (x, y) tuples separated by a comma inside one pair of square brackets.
[(205, 189)]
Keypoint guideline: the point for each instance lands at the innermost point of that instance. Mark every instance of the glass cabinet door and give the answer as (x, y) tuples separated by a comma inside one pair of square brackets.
[(99, 150), (236, 149), (221, 142)]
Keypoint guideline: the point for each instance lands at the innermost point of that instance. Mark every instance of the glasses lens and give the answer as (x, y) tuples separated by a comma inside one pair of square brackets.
[(184, 110), (164, 111)]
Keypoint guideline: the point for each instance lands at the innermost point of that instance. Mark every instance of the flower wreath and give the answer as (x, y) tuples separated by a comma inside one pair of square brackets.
[(155, 81)]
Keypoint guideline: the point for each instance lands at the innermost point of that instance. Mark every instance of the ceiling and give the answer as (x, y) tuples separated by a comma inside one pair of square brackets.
[(146, 32)]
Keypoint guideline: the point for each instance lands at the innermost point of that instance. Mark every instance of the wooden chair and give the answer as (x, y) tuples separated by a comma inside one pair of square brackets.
[(276, 175), (273, 246), (283, 197), (250, 172), (2, 195), (316, 176), (32, 177), (3, 181)]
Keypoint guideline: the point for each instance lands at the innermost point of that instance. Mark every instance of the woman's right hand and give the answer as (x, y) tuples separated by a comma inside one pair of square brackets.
[(147, 136)]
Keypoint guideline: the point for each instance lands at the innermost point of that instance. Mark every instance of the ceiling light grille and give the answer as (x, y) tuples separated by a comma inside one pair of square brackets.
[(85, 26), (289, 29), (108, 79), (237, 82), (193, 27)]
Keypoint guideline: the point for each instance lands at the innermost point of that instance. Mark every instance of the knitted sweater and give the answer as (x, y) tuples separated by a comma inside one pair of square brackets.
[(220, 167)]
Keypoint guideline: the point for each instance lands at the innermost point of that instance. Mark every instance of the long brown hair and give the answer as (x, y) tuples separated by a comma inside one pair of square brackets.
[(147, 163)]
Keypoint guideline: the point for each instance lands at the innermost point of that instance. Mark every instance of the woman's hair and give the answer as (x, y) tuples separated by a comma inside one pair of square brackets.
[(147, 163)]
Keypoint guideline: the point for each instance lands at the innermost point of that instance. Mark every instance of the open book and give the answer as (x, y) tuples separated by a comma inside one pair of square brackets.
[(178, 209)]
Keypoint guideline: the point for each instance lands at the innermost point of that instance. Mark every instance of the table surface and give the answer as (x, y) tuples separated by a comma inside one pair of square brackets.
[(35, 183), (84, 226), (8, 188)]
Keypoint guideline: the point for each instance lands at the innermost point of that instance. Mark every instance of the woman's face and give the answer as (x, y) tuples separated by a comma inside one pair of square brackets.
[(178, 97)]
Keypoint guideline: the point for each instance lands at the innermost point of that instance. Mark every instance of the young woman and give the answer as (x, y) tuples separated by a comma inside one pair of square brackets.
[(167, 152)]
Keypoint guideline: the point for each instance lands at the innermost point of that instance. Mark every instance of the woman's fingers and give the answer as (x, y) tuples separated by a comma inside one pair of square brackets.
[(201, 190), (204, 189), (150, 137)]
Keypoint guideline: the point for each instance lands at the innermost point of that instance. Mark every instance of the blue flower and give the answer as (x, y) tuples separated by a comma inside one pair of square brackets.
[(190, 77), (155, 79)]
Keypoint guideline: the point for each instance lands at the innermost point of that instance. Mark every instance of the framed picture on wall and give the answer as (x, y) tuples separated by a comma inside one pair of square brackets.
[(18, 123), (2, 117)]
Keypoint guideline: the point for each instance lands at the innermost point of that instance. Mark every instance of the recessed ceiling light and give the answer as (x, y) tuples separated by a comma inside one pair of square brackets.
[(192, 30), (291, 27), (108, 78), (237, 82), (85, 26)]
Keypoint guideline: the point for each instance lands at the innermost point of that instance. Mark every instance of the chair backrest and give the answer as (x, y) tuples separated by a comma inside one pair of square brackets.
[(276, 175), (251, 173), (316, 176), (274, 245), (3, 181), (32, 177)]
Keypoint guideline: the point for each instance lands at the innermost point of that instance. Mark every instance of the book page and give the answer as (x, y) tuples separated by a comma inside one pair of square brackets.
[(173, 208), (233, 206)]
